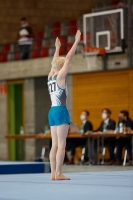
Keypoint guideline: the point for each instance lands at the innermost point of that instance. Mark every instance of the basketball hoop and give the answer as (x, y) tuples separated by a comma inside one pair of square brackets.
[(91, 56)]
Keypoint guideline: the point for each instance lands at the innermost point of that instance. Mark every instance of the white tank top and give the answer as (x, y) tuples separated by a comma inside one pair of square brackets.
[(58, 95)]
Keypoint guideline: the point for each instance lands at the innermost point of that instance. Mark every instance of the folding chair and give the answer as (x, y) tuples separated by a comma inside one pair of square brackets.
[(44, 152)]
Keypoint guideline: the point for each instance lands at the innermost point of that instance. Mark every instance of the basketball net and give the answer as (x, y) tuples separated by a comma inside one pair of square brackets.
[(91, 56), (91, 60)]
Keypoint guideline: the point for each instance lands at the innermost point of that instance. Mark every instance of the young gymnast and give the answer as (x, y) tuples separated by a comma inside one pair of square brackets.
[(58, 115)]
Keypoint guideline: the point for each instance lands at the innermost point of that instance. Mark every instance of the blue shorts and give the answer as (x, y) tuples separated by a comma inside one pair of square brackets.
[(58, 115)]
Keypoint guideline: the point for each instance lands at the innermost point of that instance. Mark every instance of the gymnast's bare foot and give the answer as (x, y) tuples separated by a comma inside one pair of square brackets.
[(52, 177), (61, 177)]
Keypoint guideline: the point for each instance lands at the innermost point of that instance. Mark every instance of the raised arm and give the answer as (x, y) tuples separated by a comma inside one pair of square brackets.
[(56, 54), (63, 72), (57, 46)]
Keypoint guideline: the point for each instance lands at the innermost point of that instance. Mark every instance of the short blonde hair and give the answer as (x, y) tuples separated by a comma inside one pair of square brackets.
[(58, 63)]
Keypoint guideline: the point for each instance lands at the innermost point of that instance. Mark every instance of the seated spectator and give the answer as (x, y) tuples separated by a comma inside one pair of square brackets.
[(25, 38), (76, 142), (108, 126), (120, 4), (124, 142)]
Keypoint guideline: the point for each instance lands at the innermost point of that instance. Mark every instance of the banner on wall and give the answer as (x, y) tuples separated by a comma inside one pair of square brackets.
[(3, 88)]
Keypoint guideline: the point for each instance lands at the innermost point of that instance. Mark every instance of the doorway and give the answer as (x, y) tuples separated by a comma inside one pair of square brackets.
[(15, 101)]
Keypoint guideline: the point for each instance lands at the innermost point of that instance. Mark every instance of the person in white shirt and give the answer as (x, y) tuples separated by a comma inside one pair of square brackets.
[(25, 39)]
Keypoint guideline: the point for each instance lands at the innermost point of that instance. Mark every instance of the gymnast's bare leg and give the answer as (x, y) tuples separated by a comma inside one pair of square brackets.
[(62, 132), (57, 153), (53, 151)]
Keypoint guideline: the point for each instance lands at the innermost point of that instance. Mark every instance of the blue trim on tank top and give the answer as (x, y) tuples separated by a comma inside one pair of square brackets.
[(53, 77)]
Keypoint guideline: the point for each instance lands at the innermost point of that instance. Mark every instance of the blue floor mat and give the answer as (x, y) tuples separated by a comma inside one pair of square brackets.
[(114, 185)]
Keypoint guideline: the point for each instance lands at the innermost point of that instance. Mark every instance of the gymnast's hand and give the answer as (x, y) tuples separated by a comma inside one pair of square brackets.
[(77, 36), (57, 43)]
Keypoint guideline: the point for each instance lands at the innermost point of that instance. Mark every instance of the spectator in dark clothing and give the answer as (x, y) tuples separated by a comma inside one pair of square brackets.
[(108, 125), (76, 142), (120, 4), (25, 39), (124, 142)]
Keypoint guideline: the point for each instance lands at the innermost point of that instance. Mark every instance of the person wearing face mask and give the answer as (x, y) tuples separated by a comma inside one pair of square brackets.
[(25, 39), (124, 142), (76, 142), (108, 125), (86, 124)]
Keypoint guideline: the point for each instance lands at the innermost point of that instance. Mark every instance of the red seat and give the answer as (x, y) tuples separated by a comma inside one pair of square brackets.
[(82, 37), (3, 57), (56, 25), (62, 51), (63, 40), (88, 37), (73, 22), (17, 56), (36, 44), (40, 35), (72, 30), (35, 54), (6, 48), (69, 47), (113, 38), (56, 32), (56, 29), (44, 52), (72, 26)]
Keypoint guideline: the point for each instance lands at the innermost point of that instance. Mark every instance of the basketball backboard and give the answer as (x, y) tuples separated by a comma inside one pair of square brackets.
[(104, 29)]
